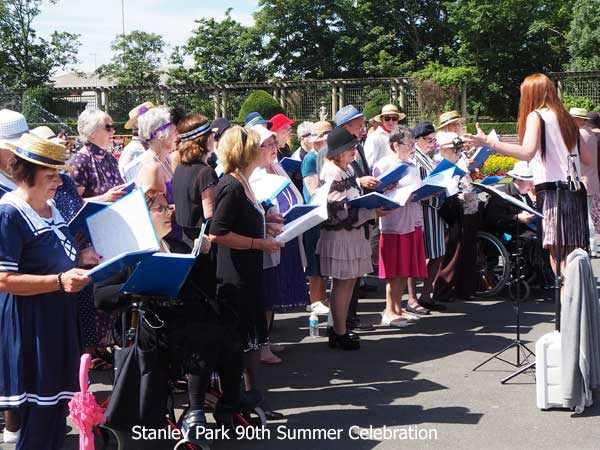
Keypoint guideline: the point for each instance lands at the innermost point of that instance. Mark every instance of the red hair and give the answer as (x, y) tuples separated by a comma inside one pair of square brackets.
[(538, 91)]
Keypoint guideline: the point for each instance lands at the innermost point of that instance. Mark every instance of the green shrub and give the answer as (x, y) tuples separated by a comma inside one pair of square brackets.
[(573, 101), (36, 102), (262, 102)]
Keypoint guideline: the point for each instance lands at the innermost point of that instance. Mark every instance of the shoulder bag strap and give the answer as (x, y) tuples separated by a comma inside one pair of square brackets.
[(542, 135)]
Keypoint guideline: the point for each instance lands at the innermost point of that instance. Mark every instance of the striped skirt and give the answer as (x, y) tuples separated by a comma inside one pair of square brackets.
[(434, 229), (572, 215)]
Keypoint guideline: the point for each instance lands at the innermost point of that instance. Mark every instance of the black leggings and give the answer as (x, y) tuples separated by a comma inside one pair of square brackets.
[(195, 341)]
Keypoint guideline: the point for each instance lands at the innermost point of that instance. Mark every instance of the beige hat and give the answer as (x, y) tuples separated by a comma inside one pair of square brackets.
[(320, 131), (389, 110), (449, 117), (578, 113), (44, 132), (40, 151), (136, 112)]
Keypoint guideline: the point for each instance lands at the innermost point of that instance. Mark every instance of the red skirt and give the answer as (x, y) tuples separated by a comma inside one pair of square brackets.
[(402, 255)]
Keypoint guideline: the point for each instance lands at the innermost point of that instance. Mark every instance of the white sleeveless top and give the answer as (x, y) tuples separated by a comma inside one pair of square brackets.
[(556, 165)]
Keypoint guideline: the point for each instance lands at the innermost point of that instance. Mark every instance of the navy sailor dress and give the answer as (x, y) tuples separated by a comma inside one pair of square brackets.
[(39, 334)]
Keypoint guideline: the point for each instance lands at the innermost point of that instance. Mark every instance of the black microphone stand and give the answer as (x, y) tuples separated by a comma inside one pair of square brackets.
[(558, 281), (522, 349)]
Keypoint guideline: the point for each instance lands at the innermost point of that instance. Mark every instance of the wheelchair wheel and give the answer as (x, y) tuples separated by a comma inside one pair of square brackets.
[(492, 265)]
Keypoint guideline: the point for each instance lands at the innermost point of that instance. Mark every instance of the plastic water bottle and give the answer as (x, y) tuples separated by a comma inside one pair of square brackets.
[(313, 325)]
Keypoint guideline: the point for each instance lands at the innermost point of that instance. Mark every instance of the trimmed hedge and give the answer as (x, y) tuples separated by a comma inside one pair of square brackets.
[(500, 127), (260, 101)]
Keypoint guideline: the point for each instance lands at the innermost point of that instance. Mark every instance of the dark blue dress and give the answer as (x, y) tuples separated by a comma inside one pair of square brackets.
[(39, 334)]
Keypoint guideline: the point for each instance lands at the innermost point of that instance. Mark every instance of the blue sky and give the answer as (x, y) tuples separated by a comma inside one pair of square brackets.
[(98, 22)]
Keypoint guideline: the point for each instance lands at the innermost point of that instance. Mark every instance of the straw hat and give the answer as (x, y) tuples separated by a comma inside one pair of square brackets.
[(389, 110), (12, 126), (521, 171), (449, 117), (136, 112), (578, 113), (40, 151)]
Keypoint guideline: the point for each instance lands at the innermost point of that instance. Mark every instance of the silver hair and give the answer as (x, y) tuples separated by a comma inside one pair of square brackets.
[(401, 134), (305, 128), (89, 121), (151, 121)]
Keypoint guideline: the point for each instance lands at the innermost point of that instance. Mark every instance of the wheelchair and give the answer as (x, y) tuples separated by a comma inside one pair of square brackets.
[(106, 438), (506, 261)]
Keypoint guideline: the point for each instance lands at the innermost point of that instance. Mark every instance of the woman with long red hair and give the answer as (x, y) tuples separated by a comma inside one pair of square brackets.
[(549, 138)]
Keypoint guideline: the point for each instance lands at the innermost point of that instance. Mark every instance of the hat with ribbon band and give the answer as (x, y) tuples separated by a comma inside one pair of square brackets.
[(40, 151)]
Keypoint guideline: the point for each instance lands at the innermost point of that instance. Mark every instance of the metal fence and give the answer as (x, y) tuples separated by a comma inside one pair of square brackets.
[(580, 84), (302, 100)]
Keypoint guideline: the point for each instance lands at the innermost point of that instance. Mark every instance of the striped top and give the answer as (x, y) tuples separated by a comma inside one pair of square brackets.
[(434, 225)]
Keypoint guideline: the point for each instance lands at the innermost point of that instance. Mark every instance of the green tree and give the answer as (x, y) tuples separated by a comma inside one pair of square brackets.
[(301, 38), (505, 41), (262, 102), (583, 37), (27, 60), (136, 60), (222, 51)]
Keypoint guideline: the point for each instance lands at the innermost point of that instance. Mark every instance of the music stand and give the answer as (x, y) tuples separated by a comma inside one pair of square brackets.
[(522, 349)]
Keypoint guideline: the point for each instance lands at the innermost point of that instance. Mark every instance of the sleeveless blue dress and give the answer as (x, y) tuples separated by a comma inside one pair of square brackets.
[(39, 334)]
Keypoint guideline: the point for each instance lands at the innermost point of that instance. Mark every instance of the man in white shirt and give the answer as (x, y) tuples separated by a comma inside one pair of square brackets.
[(377, 144)]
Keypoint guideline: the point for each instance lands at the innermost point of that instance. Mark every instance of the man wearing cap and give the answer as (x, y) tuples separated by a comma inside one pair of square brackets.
[(588, 149), (434, 225), (377, 144), (135, 148)]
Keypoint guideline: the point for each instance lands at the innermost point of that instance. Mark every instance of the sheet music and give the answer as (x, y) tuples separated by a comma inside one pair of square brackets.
[(267, 186), (122, 227)]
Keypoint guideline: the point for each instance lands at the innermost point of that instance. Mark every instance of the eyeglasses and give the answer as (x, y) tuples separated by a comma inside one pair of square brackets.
[(162, 208), (109, 126), (390, 118), (268, 144)]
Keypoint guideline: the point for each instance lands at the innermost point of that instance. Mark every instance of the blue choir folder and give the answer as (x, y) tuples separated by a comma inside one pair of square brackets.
[(117, 264), (495, 179), (445, 165), (290, 165), (128, 187), (161, 274), (480, 157), (373, 200), (427, 191), (297, 211), (78, 224), (391, 176)]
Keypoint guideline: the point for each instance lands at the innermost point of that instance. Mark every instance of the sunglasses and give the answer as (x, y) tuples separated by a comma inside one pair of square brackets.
[(162, 208), (109, 126), (390, 118)]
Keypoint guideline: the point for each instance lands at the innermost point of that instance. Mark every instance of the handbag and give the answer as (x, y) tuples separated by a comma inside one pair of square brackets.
[(140, 389)]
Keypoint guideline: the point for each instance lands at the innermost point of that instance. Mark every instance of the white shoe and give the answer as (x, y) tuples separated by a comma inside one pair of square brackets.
[(11, 437), (410, 317), (317, 308), (396, 323)]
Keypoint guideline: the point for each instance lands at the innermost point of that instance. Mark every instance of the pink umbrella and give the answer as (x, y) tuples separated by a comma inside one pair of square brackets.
[(84, 411)]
